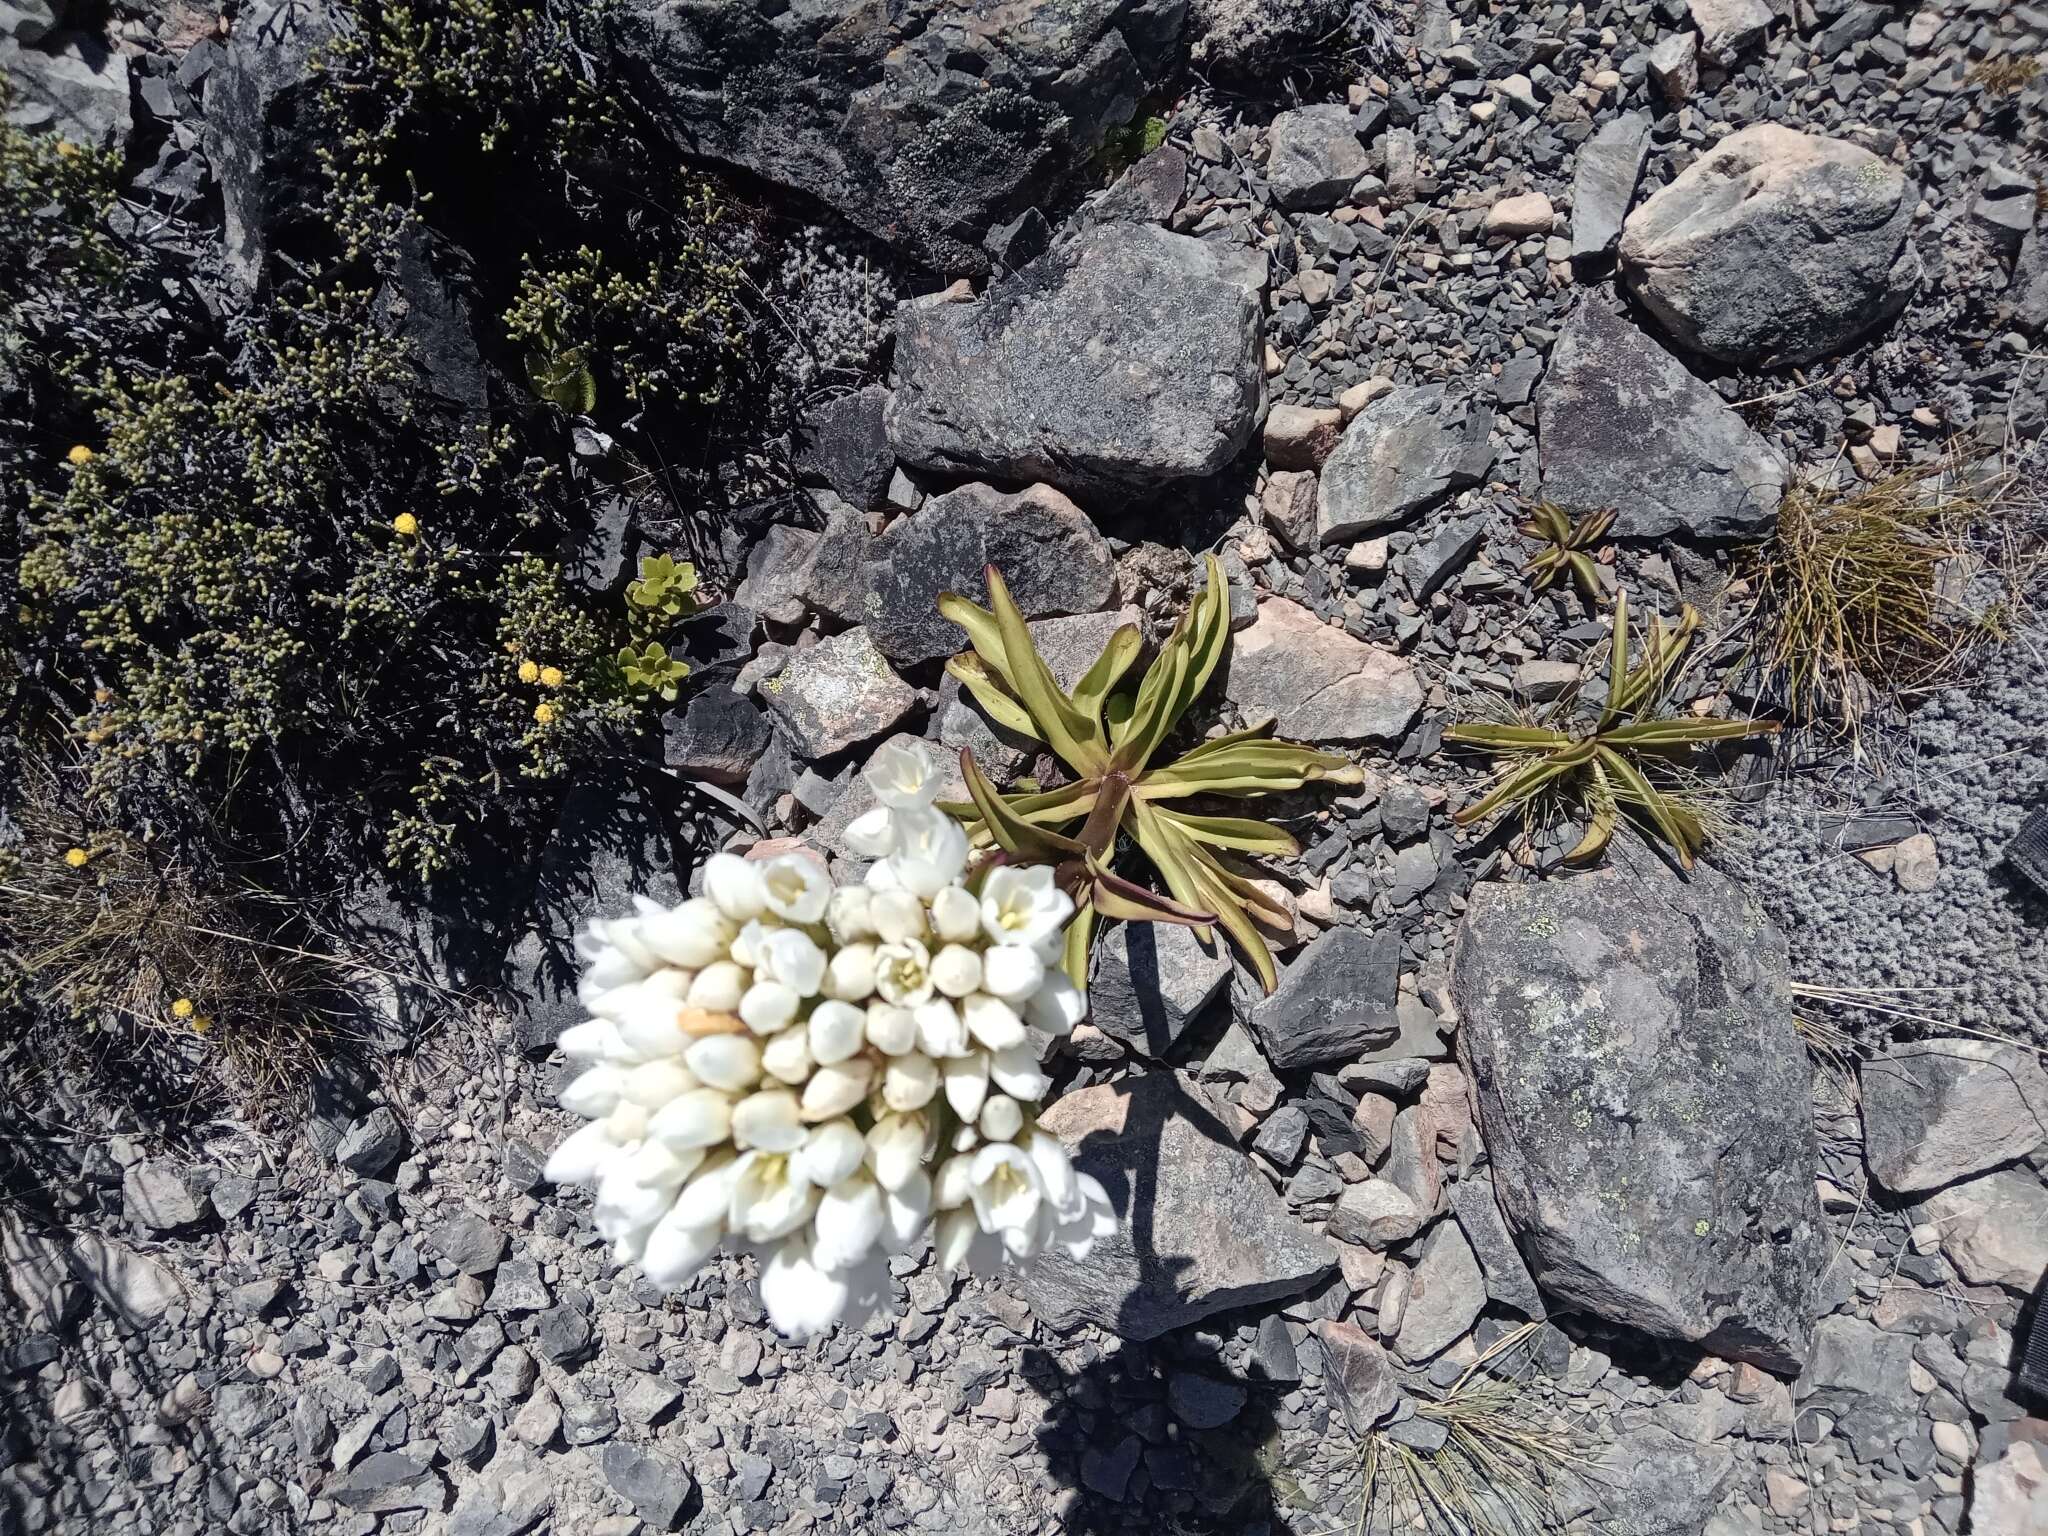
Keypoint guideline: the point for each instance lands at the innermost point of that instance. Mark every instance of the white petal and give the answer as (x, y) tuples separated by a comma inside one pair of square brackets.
[(837, 1031), (956, 970), (675, 1252), (902, 774), (767, 1200), (830, 1153), (956, 916), (1058, 1005), (1012, 972), (903, 973), (907, 1208), (801, 1299), (592, 1040), (835, 1089), (890, 1029), (653, 1083), (787, 1056), (941, 1032), (768, 1006), (850, 975), (792, 958), (734, 886), (898, 916), (992, 1021), (895, 1148), (768, 1120), (795, 888), (719, 987), (580, 1156), (954, 1235), (706, 1196), (701, 1118), (731, 1062), (1016, 1072), (848, 1220), (909, 1081), (954, 1184), (1006, 1192), (693, 935), (1056, 1175), (593, 1092), (846, 914), (966, 1080), (1000, 1118), (872, 834)]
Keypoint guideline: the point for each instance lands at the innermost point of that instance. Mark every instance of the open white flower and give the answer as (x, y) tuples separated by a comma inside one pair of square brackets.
[(789, 956), (931, 851), (735, 886), (795, 888), (903, 973), (1022, 905), (903, 775), (768, 1199)]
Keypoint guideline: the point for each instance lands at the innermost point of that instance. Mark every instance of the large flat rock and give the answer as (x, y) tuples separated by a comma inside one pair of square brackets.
[(1401, 455), (1935, 1111), (1112, 364), (1622, 424), (1201, 1231), (1318, 683), (1645, 1102)]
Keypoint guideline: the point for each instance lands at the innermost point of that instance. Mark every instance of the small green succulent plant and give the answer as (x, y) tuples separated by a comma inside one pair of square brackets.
[(1566, 544), (1600, 762), (1109, 737), (665, 589)]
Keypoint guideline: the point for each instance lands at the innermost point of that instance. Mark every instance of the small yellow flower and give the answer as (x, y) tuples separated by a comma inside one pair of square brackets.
[(551, 677), (202, 1023), (66, 149), (79, 454), (529, 672), (406, 524), (544, 713), (76, 857), (182, 1008)]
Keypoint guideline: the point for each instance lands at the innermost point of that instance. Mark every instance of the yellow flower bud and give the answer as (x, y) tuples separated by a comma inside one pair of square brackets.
[(182, 1008), (551, 677), (202, 1024), (406, 524), (544, 713), (79, 454), (76, 858), (528, 672)]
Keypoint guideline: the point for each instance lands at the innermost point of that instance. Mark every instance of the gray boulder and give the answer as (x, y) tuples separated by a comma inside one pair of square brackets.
[(1446, 1294), (1361, 1381), (1313, 156), (30, 21), (1150, 980), (719, 735), (924, 122), (1199, 1231), (2029, 288), (837, 694), (1935, 1111), (261, 127), (1644, 1102), (1400, 456), (1050, 555), (1621, 424), (1776, 247), (846, 446), (1317, 682), (1111, 364), (69, 85), (1649, 1482), (1604, 185), (1335, 1002)]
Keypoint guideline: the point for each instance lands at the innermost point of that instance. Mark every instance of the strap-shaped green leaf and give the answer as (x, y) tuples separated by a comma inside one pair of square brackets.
[(1196, 880), (1092, 692), (1179, 674), (1678, 827), (1080, 934), (1254, 767), (1235, 832), (975, 677), (1130, 902), (1012, 833), (1065, 729), (1655, 735), (1507, 738), (1600, 825), (1215, 744), (984, 637), (1525, 781), (1617, 665)]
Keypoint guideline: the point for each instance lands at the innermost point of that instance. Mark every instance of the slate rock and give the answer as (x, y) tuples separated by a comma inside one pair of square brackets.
[(656, 1485), (1775, 247), (1149, 982), (1644, 1102), (1446, 1294), (1402, 453), (1650, 1482), (1108, 365), (564, 1335), (1860, 1376), (157, 1196), (1729, 28), (1050, 555), (1360, 1379), (1507, 1277), (923, 122), (1313, 156), (135, 1286), (718, 735), (1148, 192), (1994, 1229), (261, 126), (1108, 1472), (1201, 1401), (372, 1144), (425, 302), (1317, 682), (70, 86), (1622, 424), (1430, 562), (1935, 1111), (1336, 1000), (39, 1278), (1377, 1213), (386, 1482), (1610, 167), (1200, 1230), (846, 446), (471, 1243), (2030, 284), (838, 694)]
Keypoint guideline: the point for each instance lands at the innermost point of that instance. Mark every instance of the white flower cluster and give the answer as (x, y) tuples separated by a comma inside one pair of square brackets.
[(823, 1072)]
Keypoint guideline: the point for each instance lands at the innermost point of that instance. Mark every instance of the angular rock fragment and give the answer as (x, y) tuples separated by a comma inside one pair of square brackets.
[(1336, 1001), (1317, 682), (1604, 185), (1935, 1111), (837, 694), (1402, 453)]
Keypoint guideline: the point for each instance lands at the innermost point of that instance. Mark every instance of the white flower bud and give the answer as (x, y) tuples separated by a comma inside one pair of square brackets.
[(847, 1222), (769, 1120), (795, 888), (890, 1029), (846, 914), (1012, 972), (992, 1022), (647, 1024), (652, 1084), (835, 1089), (908, 1082), (790, 957), (703, 1200), (768, 1200), (1016, 1072), (1058, 1005), (787, 1057), (1001, 1118), (627, 1123), (675, 1252), (802, 1299), (952, 1236), (851, 974), (898, 916), (940, 1030), (719, 987), (872, 834), (592, 1040), (731, 1062), (956, 970), (692, 936), (735, 887), (830, 1153), (581, 1155), (902, 774), (700, 1118), (956, 915), (953, 1185), (768, 1006), (966, 1081), (895, 1144), (906, 1208), (592, 1093), (837, 1030)]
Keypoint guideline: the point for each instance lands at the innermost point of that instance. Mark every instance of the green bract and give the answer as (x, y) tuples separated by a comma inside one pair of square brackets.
[(1108, 737), (1600, 762)]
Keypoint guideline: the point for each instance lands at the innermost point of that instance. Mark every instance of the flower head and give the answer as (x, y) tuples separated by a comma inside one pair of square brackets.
[(551, 677), (182, 1008), (1022, 905), (405, 524), (77, 858), (79, 454), (529, 671), (544, 713)]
